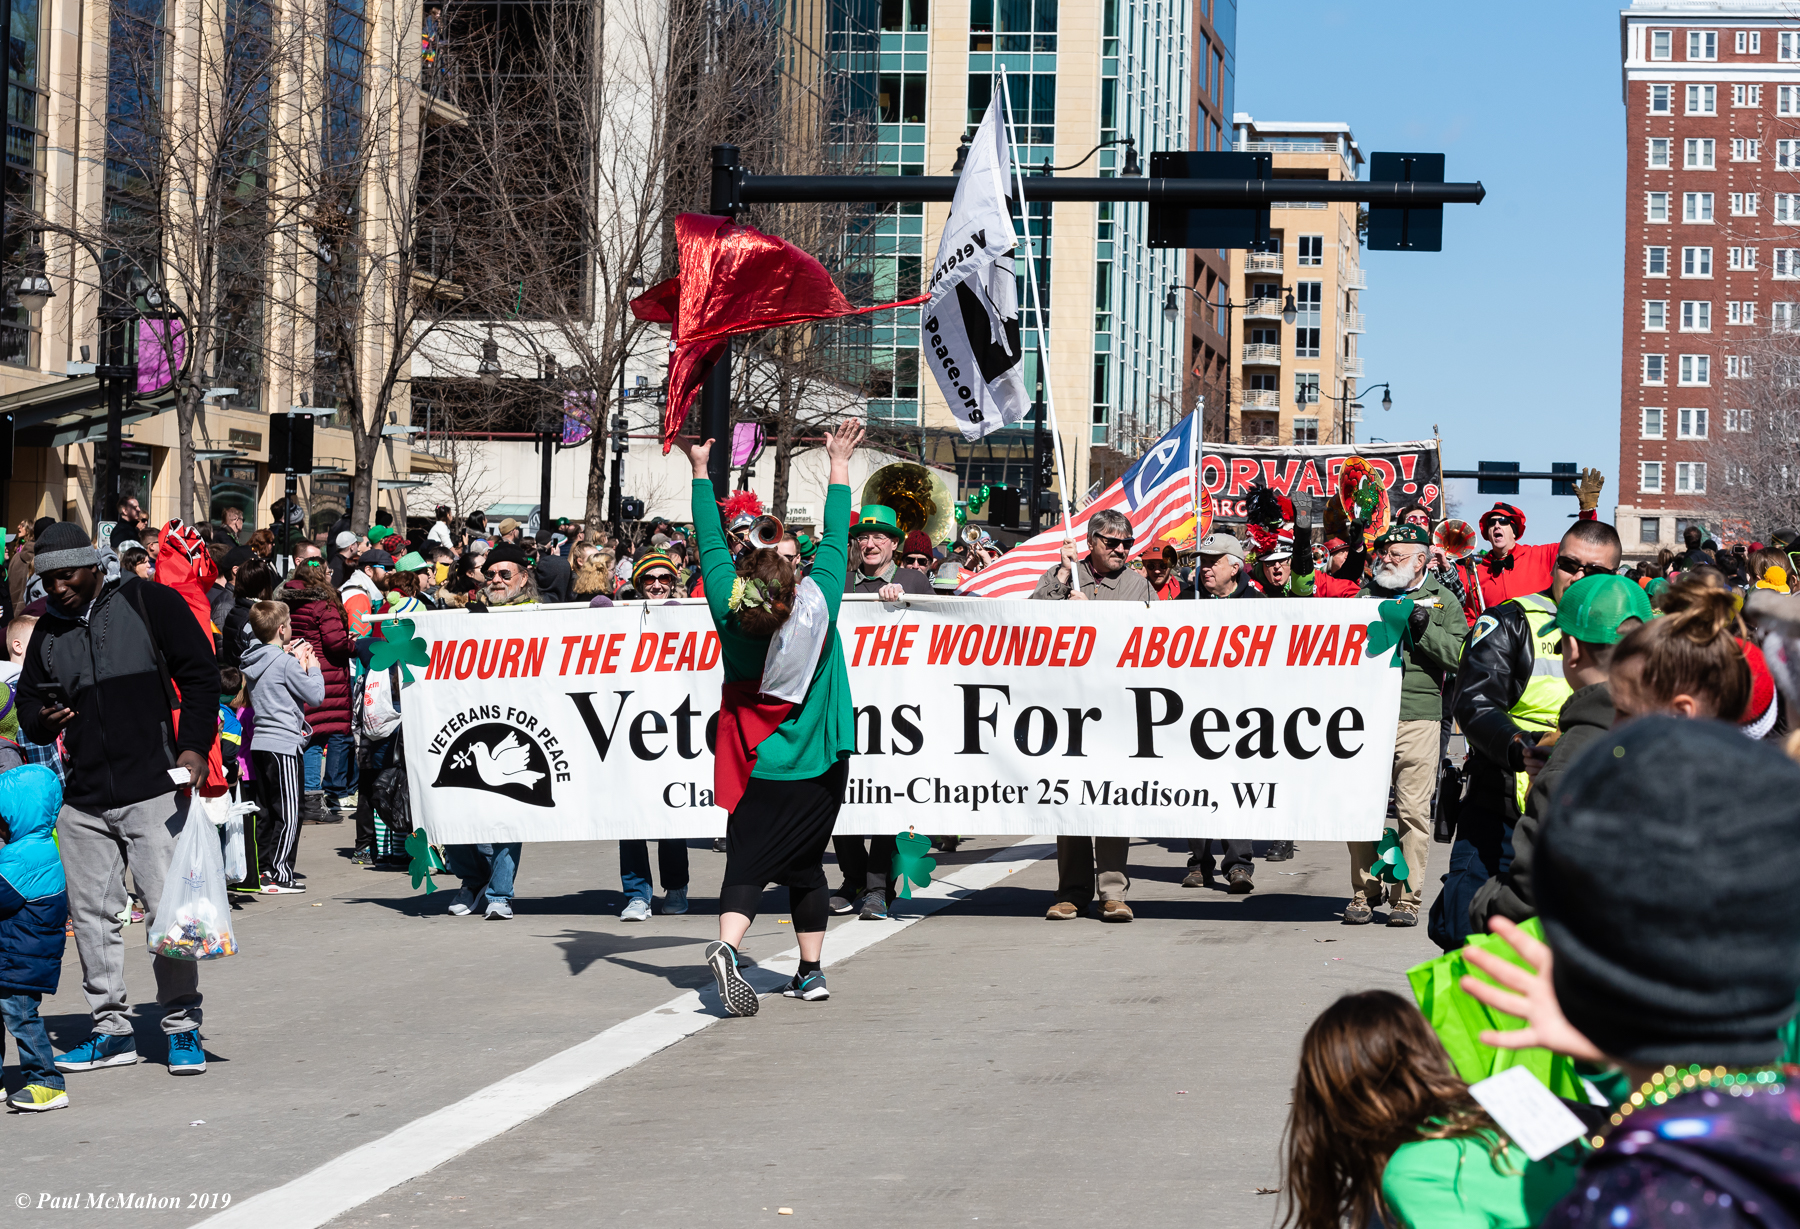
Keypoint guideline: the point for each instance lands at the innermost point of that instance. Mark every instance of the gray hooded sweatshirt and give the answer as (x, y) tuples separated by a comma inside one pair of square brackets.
[(280, 693)]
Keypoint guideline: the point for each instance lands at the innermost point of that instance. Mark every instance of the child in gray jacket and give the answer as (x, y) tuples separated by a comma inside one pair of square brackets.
[(284, 680)]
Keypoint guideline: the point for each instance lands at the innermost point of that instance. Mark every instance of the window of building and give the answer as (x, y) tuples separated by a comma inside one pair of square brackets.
[(1740, 311), (1306, 431), (1787, 208), (1740, 258), (1703, 45), (1749, 42), (1650, 476), (1696, 262), (1787, 264), (1656, 368), (1309, 301), (1702, 100), (1744, 204), (1306, 388), (1690, 477), (1662, 100), (1787, 155), (1787, 100), (1782, 316), (1023, 25), (1737, 420), (1653, 422), (1787, 46), (1662, 44), (1656, 315), (1690, 424), (1746, 95), (1737, 367), (1696, 316), (26, 141), (1658, 153), (1656, 262), (1649, 530), (1698, 153), (1312, 250), (1656, 207), (1745, 149), (1696, 206), (1696, 370)]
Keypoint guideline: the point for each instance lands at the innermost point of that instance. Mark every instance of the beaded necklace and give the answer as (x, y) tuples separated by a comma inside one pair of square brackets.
[(1673, 1081)]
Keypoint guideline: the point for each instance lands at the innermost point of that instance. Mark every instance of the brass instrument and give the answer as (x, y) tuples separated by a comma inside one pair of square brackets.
[(972, 535), (767, 531), (1455, 538), (919, 495)]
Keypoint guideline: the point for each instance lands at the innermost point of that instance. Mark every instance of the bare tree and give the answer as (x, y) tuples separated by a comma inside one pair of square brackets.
[(1751, 479)]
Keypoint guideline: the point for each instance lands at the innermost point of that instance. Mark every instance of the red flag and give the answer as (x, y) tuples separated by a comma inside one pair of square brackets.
[(734, 279)]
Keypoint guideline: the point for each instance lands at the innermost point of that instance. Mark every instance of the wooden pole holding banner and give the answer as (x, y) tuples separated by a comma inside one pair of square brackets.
[(1043, 316)]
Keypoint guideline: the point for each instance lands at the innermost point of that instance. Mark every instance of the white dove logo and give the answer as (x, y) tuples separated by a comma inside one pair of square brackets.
[(506, 763), (498, 758)]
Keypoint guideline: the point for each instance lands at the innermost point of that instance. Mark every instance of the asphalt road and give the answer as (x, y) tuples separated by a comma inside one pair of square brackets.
[(982, 1064)]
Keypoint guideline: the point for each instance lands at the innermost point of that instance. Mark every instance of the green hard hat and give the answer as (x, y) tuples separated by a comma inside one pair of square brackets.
[(1593, 607), (881, 519)]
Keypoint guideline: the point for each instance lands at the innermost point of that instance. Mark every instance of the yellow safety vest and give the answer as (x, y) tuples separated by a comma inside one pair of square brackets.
[(1541, 702)]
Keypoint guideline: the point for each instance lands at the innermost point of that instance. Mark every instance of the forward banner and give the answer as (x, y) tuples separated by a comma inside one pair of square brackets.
[(1412, 472), (1259, 719)]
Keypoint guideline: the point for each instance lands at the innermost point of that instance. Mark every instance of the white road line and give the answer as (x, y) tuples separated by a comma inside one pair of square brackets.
[(343, 1183)]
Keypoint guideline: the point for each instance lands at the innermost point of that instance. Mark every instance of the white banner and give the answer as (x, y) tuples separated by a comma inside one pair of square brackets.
[(1258, 719)]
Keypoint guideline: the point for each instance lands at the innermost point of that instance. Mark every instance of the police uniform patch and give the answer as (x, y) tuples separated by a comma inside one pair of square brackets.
[(1483, 625)]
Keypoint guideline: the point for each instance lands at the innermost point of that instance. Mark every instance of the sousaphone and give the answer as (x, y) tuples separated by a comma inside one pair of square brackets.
[(919, 495)]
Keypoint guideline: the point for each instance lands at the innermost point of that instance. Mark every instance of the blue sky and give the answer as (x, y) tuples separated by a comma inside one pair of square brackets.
[(1509, 338)]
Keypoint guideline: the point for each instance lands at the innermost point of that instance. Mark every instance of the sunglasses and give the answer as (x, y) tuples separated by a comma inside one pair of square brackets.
[(658, 578), (1115, 543), (1574, 567), (502, 573), (918, 559)]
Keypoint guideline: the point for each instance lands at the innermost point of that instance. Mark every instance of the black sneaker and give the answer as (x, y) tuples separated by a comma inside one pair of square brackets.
[(874, 905), (808, 986), (1238, 881), (363, 857), (1279, 851), (841, 902), (736, 995)]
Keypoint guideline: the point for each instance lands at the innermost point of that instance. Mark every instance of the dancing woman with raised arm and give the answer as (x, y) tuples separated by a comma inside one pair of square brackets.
[(786, 729)]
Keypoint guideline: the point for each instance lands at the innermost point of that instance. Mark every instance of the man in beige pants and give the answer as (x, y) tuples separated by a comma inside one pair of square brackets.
[(1431, 648)]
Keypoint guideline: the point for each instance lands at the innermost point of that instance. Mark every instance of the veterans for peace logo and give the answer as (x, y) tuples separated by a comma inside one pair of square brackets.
[(500, 759)]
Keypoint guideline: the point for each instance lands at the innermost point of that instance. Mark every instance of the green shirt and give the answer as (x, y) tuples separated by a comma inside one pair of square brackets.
[(1455, 1184), (821, 729)]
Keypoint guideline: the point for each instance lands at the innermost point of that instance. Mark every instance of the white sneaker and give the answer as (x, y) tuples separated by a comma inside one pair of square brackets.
[(498, 910), (638, 910), (462, 903)]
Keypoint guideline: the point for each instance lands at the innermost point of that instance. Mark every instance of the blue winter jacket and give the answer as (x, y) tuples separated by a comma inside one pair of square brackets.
[(34, 901)]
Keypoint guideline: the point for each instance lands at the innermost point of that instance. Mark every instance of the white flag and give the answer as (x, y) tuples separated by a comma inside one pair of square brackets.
[(972, 319)]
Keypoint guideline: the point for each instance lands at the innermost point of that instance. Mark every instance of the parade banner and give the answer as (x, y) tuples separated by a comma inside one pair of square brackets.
[(1258, 718), (1413, 472)]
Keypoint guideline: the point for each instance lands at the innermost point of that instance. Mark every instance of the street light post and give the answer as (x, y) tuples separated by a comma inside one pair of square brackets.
[(1350, 401), (1172, 312)]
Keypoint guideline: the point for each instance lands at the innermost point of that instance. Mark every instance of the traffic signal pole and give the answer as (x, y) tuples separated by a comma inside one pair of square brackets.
[(732, 190)]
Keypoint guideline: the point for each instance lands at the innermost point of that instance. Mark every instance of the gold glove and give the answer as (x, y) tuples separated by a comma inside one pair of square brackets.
[(1588, 490)]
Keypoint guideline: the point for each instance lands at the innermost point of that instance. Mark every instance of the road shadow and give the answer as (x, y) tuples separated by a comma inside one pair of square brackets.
[(582, 948), (1262, 906)]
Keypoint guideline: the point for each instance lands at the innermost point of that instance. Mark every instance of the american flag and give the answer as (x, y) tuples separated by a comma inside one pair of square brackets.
[(1157, 493)]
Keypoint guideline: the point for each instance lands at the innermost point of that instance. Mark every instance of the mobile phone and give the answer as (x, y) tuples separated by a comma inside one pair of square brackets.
[(54, 697)]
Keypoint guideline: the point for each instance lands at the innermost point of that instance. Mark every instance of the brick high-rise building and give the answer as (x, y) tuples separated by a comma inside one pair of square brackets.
[(1712, 253)]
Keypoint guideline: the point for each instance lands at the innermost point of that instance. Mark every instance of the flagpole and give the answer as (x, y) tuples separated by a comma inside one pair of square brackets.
[(1042, 316)]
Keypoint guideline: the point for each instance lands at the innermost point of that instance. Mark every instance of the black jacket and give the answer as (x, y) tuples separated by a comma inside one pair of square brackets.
[(1496, 666), (910, 580), (122, 741), (232, 631), (554, 580), (1585, 717), (1244, 588)]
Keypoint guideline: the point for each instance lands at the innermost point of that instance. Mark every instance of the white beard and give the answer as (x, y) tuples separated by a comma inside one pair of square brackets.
[(1397, 578)]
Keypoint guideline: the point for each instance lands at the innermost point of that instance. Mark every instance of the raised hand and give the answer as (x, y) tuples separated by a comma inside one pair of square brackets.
[(699, 454)]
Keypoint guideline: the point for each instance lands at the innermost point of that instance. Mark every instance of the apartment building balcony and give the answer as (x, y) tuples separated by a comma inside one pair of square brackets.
[(1263, 308), (1353, 279), (1352, 322), (1352, 368), (1261, 399), (1262, 262), (1262, 354)]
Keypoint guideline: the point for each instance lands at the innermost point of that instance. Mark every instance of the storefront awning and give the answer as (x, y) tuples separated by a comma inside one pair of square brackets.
[(70, 411)]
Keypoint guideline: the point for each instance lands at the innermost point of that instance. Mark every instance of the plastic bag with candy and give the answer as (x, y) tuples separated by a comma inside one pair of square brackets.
[(193, 918)]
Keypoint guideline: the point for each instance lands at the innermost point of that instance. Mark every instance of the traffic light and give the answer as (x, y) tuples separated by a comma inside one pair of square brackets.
[(621, 438), (1046, 464)]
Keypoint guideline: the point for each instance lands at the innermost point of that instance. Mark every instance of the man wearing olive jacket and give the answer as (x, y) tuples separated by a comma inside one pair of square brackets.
[(1434, 635)]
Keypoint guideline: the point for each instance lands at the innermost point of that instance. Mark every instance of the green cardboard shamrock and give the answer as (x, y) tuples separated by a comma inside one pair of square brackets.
[(425, 859), (1390, 631), (913, 862), (1390, 863), (397, 646)]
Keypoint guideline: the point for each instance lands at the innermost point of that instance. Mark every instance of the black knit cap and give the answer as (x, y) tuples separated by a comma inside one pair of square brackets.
[(63, 544), (1666, 876), (506, 552)]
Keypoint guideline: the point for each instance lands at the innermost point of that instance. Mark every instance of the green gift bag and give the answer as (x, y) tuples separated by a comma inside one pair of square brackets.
[(1459, 1019)]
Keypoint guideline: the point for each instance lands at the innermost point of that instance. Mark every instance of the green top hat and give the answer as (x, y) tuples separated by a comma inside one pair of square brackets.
[(411, 561), (1593, 607), (881, 519)]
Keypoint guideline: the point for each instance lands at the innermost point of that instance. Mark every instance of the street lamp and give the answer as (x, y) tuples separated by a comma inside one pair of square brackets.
[(1350, 401), (35, 292), (489, 370)]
